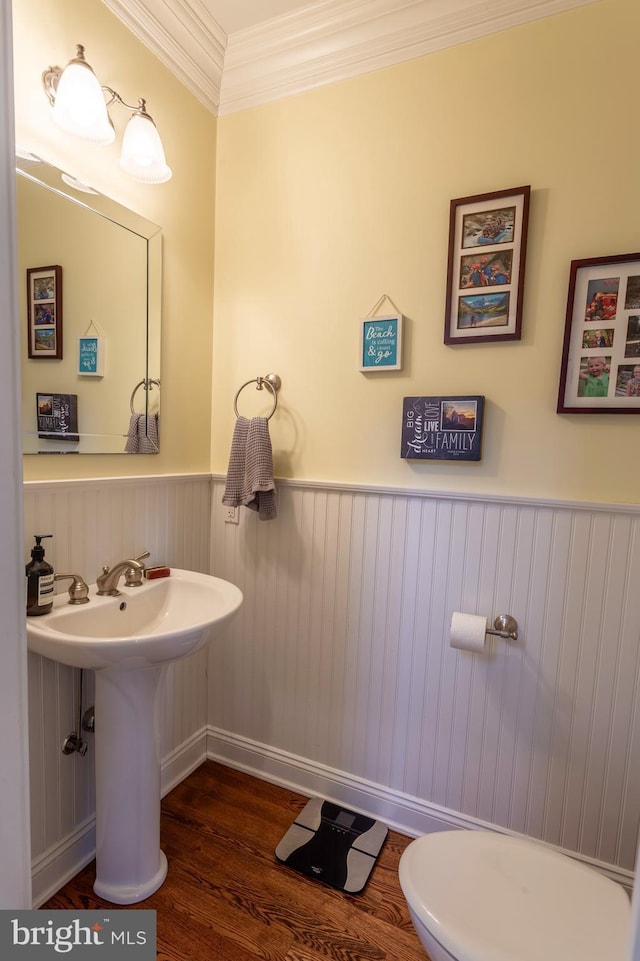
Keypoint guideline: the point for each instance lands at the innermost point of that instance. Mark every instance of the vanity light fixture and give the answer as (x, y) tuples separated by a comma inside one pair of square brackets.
[(80, 108)]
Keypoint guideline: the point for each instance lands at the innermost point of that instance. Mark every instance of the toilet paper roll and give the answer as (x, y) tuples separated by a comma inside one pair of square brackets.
[(468, 632)]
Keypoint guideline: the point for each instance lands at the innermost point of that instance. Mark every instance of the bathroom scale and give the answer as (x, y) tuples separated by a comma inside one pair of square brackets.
[(331, 844)]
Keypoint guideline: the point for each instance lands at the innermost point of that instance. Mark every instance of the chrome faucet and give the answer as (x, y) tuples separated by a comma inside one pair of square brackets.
[(133, 569)]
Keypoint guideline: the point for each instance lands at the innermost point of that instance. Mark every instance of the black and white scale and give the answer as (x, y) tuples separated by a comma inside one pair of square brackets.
[(331, 844)]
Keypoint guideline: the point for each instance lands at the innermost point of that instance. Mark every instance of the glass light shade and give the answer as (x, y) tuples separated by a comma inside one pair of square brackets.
[(80, 107), (142, 154)]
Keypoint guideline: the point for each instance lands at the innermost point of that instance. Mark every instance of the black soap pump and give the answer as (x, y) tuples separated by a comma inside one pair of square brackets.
[(39, 580)]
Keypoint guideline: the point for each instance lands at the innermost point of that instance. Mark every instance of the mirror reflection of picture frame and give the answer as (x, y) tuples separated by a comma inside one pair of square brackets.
[(44, 312), (600, 368), (485, 274)]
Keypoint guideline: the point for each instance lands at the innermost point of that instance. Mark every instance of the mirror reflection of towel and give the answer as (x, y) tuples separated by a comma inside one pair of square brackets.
[(250, 480), (143, 435)]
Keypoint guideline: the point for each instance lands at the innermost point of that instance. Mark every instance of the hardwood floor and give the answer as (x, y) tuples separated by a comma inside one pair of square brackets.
[(227, 897)]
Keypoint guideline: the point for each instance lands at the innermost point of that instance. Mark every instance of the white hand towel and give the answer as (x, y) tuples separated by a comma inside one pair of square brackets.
[(250, 480)]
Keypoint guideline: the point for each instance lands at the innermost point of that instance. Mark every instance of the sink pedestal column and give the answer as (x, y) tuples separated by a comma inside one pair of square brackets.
[(129, 863)]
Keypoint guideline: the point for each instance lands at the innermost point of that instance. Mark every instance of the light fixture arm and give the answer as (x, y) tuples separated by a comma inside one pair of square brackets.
[(50, 78), (114, 97), (140, 109)]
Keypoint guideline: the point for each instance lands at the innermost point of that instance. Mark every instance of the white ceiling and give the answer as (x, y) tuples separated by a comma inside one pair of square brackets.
[(235, 15), (237, 54)]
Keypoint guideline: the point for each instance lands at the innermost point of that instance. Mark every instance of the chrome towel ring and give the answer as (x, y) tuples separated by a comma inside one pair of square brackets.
[(272, 382), (147, 384)]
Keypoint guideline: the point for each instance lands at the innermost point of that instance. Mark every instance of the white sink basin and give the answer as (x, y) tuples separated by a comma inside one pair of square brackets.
[(129, 640), (160, 621)]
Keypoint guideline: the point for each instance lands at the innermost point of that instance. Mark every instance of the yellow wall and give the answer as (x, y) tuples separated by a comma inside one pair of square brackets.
[(45, 33), (327, 200)]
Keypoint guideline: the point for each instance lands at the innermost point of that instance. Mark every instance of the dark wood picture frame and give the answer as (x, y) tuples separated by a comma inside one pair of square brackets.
[(485, 271), (44, 312), (601, 348)]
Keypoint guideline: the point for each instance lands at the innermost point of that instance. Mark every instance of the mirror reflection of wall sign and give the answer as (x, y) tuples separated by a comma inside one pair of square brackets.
[(44, 312), (442, 428), (91, 356), (381, 343), (57, 416)]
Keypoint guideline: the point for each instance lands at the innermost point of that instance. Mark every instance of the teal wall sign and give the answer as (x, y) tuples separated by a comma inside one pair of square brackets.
[(91, 356), (381, 343)]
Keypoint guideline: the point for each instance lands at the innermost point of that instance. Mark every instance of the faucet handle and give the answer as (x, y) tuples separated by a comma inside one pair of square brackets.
[(133, 576), (78, 591)]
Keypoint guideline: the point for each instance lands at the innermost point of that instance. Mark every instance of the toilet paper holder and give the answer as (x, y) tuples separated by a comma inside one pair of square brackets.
[(505, 626)]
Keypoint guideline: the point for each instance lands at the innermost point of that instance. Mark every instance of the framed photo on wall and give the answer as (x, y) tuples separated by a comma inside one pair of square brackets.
[(600, 370), (485, 271), (44, 312)]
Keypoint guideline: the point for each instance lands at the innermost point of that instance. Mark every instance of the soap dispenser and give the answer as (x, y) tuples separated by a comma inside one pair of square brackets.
[(39, 583)]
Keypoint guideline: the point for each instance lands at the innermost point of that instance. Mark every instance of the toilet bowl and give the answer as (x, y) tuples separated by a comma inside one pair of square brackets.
[(483, 896)]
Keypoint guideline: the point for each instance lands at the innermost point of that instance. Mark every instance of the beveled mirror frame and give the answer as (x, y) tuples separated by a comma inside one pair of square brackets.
[(97, 440)]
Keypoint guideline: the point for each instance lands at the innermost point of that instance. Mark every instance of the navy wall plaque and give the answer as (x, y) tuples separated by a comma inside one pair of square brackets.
[(442, 428)]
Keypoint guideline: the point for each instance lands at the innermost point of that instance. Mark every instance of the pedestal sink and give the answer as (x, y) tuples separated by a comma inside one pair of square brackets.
[(128, 640)]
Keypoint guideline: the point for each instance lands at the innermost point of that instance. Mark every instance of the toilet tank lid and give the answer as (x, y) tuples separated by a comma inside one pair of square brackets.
[(492, 897)]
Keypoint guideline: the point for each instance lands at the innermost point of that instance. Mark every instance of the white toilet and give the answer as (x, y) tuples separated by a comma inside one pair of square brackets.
[(483, 896)]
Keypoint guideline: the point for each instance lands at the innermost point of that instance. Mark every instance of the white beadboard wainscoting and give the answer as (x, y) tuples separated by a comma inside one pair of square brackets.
[(96, 522), (337, 676)]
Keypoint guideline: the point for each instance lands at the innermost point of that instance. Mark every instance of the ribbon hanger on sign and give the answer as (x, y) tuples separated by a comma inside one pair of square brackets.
[(378, 304)]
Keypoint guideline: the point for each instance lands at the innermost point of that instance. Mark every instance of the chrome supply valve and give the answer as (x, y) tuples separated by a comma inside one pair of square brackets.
[(73, 742), (78, 591), (89, 720)]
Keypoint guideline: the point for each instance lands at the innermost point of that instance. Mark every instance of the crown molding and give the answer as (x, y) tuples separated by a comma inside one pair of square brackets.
[(184, 36), (322, 43), (334, 40)]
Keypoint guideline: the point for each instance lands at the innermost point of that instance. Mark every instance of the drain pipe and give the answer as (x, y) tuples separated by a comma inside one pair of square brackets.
[(73, 742)]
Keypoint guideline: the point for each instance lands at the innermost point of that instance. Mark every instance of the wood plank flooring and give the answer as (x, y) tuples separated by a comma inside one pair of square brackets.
[(227, 897)]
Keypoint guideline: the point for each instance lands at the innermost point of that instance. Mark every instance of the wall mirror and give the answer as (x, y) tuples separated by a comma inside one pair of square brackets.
[(89, 287)]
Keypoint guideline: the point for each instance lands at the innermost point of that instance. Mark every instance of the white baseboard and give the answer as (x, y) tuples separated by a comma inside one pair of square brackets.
[(183, 760), (52, 869), (401, 812)]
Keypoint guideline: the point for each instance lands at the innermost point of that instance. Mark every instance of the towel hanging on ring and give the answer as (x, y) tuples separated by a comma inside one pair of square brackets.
[(143, 435), (250, 480)]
